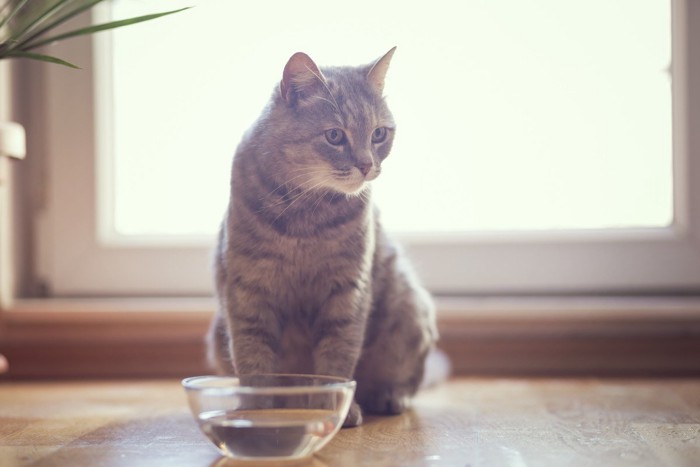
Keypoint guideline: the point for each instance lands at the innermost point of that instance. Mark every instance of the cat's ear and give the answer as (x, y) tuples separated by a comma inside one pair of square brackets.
[(300, 76), (377, 72)]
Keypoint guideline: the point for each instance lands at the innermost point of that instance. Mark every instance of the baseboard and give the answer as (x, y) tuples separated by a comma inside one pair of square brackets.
[(496, 336)]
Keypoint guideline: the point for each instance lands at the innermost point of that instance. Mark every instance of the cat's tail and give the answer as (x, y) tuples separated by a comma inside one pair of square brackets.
[(437, 368)]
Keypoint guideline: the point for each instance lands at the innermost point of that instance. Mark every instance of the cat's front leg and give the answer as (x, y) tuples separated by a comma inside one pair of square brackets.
[(255, 332), (338, 334)]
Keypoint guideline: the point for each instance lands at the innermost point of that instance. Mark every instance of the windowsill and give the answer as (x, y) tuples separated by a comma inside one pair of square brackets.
[(559, 308), (142, 337)]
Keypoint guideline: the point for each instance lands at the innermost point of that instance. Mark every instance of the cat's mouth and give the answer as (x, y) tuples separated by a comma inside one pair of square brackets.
[(354, 182), (373, 174)]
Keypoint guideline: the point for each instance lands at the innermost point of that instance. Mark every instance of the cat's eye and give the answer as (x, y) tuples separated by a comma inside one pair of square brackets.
[(379, 134), (335, 136)]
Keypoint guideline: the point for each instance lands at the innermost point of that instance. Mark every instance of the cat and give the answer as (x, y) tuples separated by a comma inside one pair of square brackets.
[(306, 278)]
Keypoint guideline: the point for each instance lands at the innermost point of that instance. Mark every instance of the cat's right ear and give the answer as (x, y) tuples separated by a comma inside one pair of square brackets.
[(300, 77)]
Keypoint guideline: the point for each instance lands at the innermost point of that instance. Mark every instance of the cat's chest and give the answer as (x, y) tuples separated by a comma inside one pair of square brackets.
[(306, 259), (312, 268), (300, 268)]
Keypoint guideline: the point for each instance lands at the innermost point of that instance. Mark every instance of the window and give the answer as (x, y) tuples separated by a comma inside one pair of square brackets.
[(542, 129)]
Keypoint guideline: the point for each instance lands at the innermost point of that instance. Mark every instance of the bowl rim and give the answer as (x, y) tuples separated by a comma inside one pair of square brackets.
[(335, 383)]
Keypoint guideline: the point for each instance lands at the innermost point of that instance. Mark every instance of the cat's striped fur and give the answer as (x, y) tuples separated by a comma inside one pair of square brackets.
[(306, 278)]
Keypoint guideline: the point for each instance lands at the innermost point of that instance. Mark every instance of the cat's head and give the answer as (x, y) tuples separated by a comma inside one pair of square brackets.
[(335, 128)]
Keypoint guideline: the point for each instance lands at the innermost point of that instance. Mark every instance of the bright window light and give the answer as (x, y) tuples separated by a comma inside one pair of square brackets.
[(511, 114)]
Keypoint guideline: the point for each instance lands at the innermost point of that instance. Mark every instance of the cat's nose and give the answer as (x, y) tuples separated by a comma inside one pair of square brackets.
[(364, 167)]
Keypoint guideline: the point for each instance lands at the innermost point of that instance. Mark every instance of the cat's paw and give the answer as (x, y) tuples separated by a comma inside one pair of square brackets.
[(386, 403), (354, 417)]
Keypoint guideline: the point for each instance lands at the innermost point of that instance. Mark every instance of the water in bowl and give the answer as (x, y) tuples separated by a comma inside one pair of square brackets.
[(269, 433)]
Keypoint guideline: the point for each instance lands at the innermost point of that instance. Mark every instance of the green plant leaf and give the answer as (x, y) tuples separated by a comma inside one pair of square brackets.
[(41, 57), (18, 6), (20, 38), (98, 28)]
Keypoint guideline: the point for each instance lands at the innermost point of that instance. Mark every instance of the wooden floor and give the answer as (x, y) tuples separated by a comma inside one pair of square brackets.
[(466, 422)]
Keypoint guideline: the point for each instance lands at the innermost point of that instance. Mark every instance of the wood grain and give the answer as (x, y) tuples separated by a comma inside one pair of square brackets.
[(466, 422)]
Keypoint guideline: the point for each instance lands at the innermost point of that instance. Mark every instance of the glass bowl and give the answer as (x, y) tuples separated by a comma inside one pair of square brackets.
[(269, 416)]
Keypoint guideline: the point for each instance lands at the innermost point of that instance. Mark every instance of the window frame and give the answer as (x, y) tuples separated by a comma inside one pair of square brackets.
[(79, 257)]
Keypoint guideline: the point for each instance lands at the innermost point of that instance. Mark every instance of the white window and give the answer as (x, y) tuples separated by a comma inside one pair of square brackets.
[(542, 145)]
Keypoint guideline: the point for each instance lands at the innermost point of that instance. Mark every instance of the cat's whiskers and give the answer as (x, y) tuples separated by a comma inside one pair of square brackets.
[(303, 172), (364, 195), (298, 197), (288, 200), (325, 85), (333, 195), (329, 101), (284, 198), (323, 195)]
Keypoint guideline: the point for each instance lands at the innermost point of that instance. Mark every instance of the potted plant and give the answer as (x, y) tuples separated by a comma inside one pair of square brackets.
[(26, 26)]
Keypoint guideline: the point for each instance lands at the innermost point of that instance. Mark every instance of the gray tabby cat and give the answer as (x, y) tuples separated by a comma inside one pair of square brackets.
[(307, 280)]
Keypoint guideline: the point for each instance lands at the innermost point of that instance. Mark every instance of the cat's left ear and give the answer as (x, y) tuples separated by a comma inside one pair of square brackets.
[(300, 76), (377, 72)]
